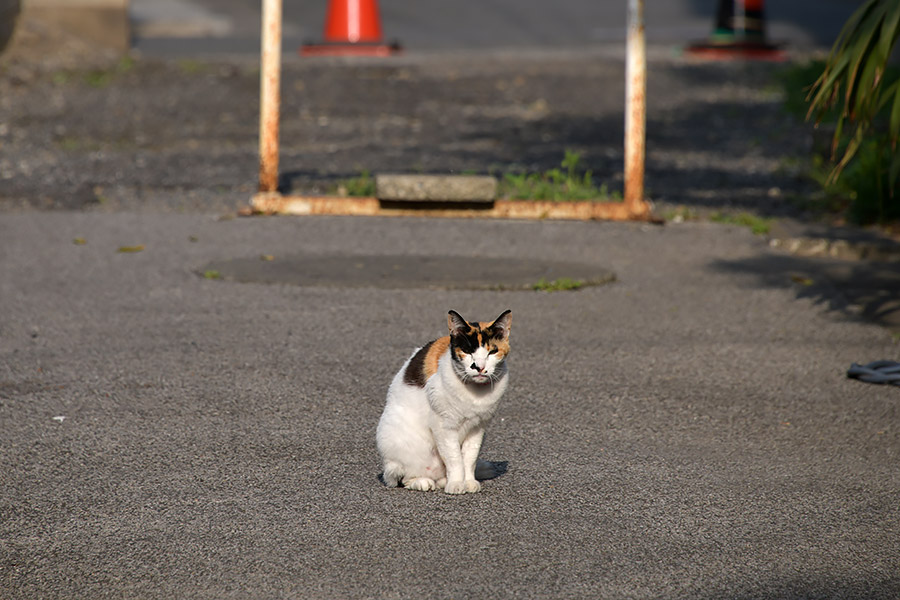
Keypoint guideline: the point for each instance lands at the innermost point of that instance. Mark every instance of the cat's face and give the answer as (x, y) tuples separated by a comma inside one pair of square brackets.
[(479, 350)]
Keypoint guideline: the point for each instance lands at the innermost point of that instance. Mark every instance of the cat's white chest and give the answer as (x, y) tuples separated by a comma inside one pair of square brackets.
[(463, 402)]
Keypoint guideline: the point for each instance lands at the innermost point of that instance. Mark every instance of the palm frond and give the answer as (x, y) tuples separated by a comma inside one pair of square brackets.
[(854, 75)]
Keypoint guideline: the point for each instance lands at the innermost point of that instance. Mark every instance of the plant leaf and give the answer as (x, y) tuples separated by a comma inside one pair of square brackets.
[(824, 92), (868, 81), (892, 95), (849, 153), (860, 56), (889, 29)]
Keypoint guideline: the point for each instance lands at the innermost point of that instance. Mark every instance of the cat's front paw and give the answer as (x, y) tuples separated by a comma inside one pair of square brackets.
[(462, 487), (422, 484)]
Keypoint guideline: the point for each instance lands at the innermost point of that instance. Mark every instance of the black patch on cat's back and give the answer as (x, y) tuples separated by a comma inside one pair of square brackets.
[(415, 370)]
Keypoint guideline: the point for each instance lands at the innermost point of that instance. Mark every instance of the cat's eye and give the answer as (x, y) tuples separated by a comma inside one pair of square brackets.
[(492, 351)]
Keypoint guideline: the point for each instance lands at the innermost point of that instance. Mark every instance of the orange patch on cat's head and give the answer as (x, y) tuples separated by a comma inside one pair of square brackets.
[(502, 348)]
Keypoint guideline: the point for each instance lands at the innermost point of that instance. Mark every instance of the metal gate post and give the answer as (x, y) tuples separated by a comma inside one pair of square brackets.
[(270, 96), (635, 110)]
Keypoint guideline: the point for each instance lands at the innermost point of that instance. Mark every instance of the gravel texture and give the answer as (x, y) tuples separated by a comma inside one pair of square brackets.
[(128, 135)]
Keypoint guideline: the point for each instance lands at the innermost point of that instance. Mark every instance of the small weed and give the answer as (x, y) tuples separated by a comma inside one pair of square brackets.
[(680, 215), (98, 79), (212, 274), (101, 78), (79, 241), (802, 280), (130, 249), (563, 284), (101, 198), (126, 63), (190, 66), (61, 77), (362, 186), (557, 185), (70, 144), (758, 225)]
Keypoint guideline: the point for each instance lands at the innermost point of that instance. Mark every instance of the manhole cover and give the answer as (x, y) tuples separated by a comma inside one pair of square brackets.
[(429, 272)]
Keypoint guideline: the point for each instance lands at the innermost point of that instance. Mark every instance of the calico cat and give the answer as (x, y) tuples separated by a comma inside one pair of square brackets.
[(439, 404)]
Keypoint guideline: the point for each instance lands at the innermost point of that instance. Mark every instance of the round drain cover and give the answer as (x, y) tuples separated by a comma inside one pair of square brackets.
[(429, 272)]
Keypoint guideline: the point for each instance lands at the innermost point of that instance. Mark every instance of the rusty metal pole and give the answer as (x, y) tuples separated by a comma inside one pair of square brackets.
[(269, 96), (635, 110)]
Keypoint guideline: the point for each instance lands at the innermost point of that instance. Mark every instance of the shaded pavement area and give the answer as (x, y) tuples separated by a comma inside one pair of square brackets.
[(130, 134)]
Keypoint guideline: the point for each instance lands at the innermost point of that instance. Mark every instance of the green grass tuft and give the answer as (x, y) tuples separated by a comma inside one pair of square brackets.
[(758, 225), (101, 78), (563, 284), (190, 66), (563, 184), (362, 186)]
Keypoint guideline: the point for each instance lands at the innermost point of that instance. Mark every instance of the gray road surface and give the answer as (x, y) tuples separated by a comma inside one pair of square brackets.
[(686, 432)]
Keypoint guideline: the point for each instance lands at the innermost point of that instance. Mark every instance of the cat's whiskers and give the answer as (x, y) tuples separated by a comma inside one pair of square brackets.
[(494, 377)]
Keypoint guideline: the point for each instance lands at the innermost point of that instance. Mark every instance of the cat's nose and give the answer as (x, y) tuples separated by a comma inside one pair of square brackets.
[(475, 367)]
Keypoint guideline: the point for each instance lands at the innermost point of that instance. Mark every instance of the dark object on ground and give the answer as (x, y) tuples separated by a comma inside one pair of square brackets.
[(879, 371)]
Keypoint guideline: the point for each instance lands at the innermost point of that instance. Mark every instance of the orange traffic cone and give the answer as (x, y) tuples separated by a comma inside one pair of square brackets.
[(740, 32), (352, 28)]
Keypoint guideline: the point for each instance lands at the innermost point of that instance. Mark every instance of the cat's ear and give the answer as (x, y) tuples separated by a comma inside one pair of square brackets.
[(501, 325), (456, 324)]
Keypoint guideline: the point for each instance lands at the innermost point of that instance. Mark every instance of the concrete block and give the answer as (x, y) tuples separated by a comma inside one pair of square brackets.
[(436, 188), (103, 22)]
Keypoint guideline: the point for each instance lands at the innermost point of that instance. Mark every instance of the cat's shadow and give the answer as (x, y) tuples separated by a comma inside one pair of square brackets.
[(500, 469)]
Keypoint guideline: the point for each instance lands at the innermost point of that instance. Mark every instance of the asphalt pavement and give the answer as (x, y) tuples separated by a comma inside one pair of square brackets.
[(686, 431)]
